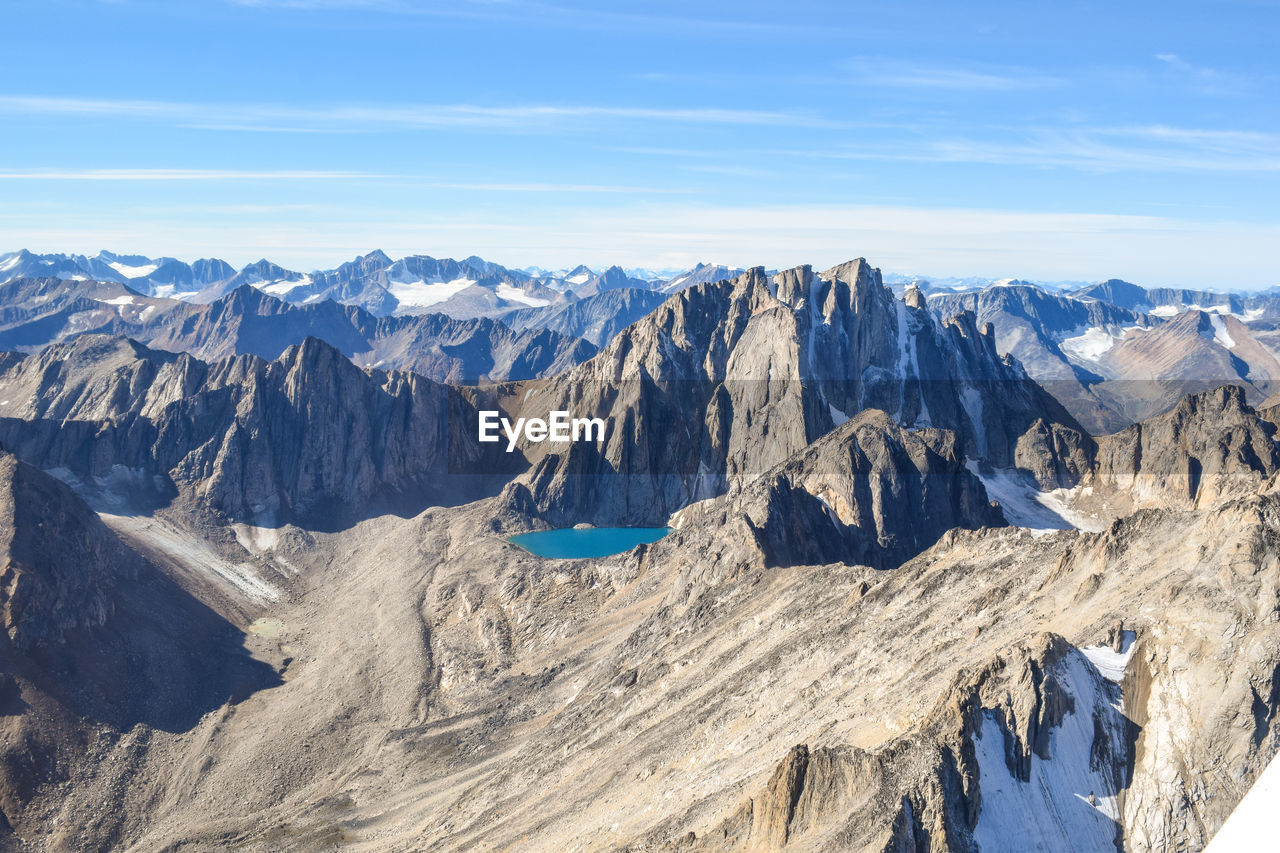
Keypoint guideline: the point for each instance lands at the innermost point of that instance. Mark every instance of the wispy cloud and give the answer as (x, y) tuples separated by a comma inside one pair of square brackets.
[(1209, 81), (178, 175), (543, 15), (891, 73), (349, 118), (561, 188), (148, 175), (1153, 148)]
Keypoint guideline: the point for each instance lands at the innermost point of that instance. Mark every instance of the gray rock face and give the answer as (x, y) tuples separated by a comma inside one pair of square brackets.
[(309, 435), (868, 493), (1213, 445), (37, 312), (725, 381), (58, 562), (1069, 690)]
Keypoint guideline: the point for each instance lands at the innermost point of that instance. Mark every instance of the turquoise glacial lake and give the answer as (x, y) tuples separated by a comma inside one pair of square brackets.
[(570, 543)]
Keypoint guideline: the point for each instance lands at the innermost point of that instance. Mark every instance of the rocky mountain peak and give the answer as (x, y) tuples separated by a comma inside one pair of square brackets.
[(914, 297), (57, 560), (1212, 445), (868, 493), (725, 380)]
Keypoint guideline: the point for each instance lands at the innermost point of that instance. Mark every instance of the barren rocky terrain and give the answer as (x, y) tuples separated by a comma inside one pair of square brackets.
[(908, 602)]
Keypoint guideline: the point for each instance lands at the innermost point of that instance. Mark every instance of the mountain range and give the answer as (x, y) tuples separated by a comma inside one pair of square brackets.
[(981, 570), (416, 284)]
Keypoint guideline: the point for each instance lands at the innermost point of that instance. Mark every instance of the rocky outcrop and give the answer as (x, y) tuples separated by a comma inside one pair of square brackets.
[(309, 435), (1211, 446), (868, 493), (58, 562), (981, 773)]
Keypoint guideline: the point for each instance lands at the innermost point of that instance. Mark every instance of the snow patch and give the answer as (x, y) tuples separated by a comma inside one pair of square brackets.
[(420, 293), (189, 553), (1092, 345), (119, 300), (1026, 506), (971, 399), (255, 540), (140, 271), (282, 287), (1166, 311), (169, 291), (1220, 333), (1069, 803), (580, 278), (1110, 663), (514, 294)]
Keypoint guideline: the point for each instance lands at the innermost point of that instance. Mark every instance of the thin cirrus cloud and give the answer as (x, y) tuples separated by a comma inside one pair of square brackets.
[(600, 16), (1213, 81), (883, 73), (1155, 148), (231, 175), (345, 118), (179, 175)]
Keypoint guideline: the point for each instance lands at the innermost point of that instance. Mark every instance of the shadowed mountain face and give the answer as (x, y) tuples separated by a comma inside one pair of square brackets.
[(309, 435), (868, 493), (97, 641), (726, 380), (1210, 446), (36, 312)]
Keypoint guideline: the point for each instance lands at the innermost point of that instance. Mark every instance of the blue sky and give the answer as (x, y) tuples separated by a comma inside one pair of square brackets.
[(1054, 141)]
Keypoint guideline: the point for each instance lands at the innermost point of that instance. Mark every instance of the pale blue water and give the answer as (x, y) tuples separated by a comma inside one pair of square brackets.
[(590, 542)]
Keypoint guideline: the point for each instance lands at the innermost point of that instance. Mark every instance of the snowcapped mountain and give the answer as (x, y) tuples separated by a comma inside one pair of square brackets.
[(1115, 352), (164, 277), (412, 285), (471, 287)]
